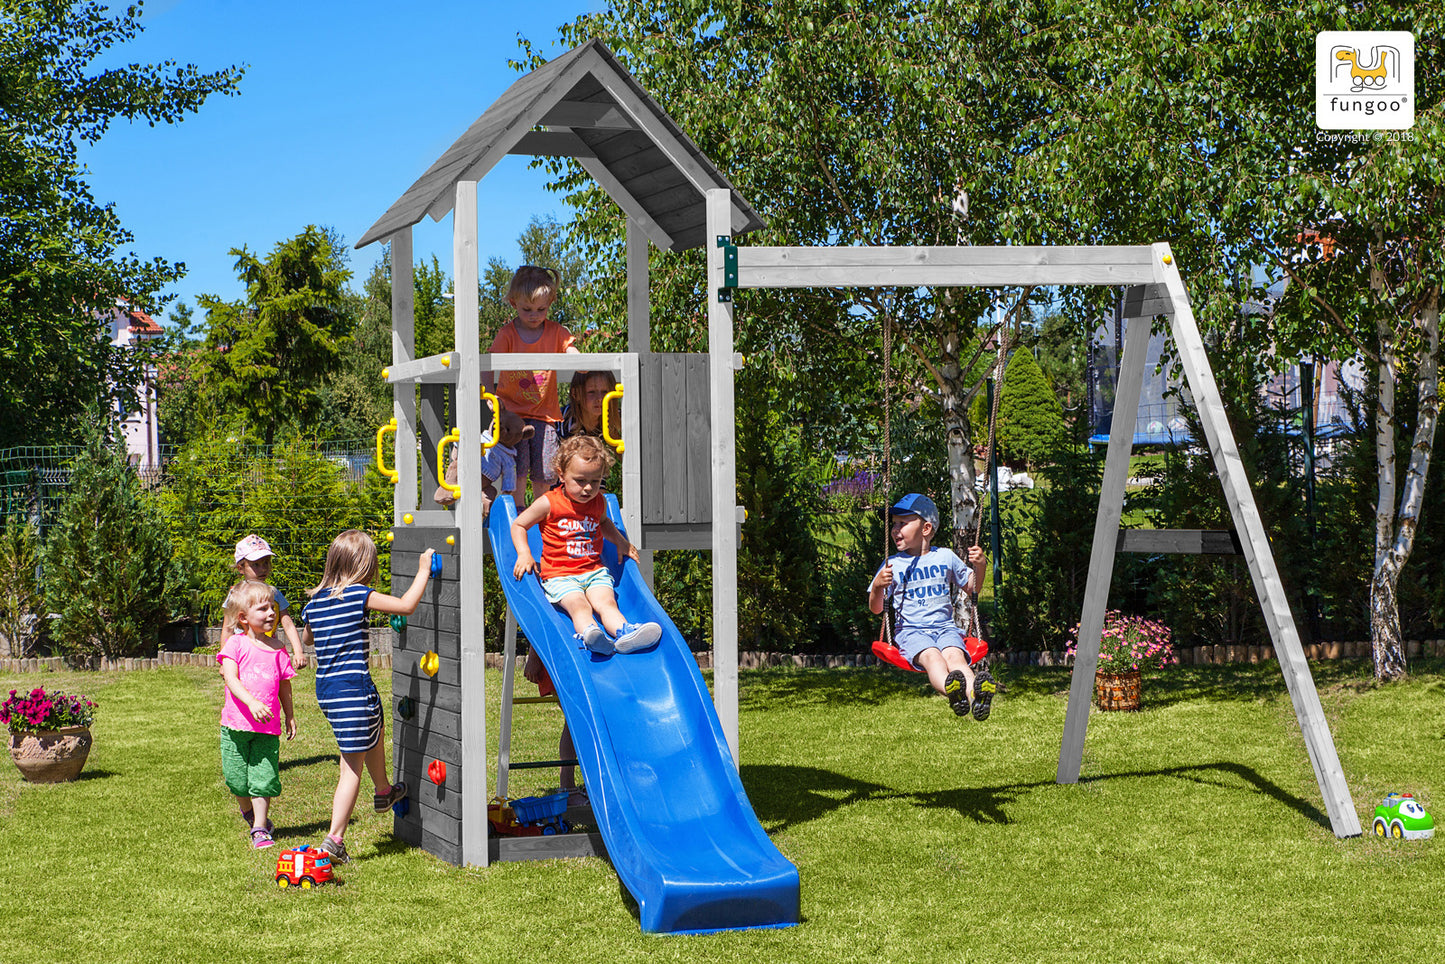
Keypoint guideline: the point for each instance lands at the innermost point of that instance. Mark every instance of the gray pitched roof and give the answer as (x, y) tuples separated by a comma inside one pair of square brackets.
[(594, 110)]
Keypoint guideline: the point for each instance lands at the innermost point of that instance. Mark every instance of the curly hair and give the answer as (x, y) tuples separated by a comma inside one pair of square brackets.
[(588, 448)]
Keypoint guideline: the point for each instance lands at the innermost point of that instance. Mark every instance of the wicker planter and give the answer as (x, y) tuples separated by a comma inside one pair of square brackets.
[(1117, 691), (51, 756)]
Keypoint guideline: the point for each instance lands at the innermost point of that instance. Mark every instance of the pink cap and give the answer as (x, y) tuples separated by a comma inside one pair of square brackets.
[(251, 548)]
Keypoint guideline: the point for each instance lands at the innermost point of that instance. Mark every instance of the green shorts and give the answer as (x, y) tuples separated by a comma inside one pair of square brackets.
[(251, 762)]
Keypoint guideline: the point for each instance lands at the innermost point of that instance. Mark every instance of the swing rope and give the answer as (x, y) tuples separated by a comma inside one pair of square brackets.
[(886, 634), (975, 622), (884, 648)]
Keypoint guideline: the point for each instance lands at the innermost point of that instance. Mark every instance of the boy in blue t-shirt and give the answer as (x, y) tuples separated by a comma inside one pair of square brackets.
[(918, 580)]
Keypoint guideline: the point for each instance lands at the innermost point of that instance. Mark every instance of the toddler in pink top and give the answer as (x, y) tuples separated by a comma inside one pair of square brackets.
[(257, 672)]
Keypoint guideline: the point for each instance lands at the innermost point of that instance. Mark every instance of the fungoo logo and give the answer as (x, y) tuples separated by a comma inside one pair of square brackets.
[(1365, 80)]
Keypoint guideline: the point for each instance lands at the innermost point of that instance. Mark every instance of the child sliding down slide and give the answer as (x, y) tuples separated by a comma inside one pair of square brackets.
[(573, 517)]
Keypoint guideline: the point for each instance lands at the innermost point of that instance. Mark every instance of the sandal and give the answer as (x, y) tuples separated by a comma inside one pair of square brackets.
[(250, 818), (382, 802), (261, 839)]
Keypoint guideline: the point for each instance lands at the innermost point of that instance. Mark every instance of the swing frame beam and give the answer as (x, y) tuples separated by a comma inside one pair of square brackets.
[(1154, 288)]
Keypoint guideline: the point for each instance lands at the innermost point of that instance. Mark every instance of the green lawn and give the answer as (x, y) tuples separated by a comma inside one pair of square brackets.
[(1196, 835)]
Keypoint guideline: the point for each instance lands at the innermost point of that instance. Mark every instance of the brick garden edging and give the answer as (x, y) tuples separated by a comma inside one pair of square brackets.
[(1194, 656)]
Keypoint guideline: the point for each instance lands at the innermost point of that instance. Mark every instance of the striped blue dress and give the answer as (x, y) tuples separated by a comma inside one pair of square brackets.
[(344, 689)]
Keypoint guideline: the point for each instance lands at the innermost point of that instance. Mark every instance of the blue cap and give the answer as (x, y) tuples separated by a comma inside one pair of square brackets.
[(919, 505)]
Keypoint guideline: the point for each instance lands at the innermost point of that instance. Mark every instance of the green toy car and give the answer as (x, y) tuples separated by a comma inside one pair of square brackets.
[(1401, 816)]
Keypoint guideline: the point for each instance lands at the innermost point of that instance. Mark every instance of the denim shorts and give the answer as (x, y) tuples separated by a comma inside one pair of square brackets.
[(559, 586), (531, 463), (912, 642)]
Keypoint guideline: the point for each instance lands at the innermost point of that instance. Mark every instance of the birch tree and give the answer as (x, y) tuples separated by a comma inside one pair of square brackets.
[(1195, 124), (846, 123)]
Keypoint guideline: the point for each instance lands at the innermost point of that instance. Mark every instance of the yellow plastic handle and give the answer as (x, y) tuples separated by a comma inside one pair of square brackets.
[(454, 435), (392, 474), (496, 419), (616, 443)]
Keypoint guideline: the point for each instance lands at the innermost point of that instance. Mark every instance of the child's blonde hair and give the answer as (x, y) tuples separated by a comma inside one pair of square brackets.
[(530, 281), (350, 560), (588, 448), (243, 595)]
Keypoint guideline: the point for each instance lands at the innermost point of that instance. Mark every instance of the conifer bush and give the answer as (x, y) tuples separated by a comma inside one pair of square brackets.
[(108, 556), (21, 601), (1030, 418)]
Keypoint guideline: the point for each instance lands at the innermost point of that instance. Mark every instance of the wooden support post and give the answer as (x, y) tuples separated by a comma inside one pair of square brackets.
[(1101, 557), (639, 342), (403, 397), (633, 454), (724, 475), (1255, 542), (471, 526), (509, 673)]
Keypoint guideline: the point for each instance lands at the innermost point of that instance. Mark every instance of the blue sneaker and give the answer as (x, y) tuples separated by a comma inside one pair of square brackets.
[(637, 636), (596, 640)]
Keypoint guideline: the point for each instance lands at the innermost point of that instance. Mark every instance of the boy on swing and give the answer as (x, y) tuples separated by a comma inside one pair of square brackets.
[(917, 582)]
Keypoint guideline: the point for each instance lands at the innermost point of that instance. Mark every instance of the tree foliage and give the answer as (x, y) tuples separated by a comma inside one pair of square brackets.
[(63, 262), (1102, 122), (843, 123), (22, 607), (221, 487), (108, 556), (1187, 124), (267, 357), (1030, 418)]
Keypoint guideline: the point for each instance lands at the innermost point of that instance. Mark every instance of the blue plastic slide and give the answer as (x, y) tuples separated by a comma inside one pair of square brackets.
[(666, 796)]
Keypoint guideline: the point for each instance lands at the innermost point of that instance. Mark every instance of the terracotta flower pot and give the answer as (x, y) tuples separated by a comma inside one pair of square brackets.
[(51, 756), (1117, 691)]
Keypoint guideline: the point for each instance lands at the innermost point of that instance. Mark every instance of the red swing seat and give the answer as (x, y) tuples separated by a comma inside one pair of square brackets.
[(886, 652)]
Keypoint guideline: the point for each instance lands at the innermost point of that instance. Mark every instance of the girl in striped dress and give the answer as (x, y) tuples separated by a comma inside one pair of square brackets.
[(336, 625)]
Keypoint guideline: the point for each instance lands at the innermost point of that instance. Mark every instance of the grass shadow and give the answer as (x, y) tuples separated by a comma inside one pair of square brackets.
[(765, 689), (304, 829), (1197, 774), (785, 795), (96, 775), (979, 804), (307, 761), (1232, 682)]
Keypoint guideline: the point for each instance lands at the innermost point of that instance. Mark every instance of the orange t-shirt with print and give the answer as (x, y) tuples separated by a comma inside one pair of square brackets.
[(531, 394), (571, 535)]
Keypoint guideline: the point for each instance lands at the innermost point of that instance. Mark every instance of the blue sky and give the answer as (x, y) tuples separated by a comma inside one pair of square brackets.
[(343, 106)]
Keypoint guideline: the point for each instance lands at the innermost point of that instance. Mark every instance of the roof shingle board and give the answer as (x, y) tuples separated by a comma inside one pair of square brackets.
[(659, 167)]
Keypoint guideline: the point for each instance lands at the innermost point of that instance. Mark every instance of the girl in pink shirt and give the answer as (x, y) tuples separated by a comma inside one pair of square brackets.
[(257, 672), (532, 395)]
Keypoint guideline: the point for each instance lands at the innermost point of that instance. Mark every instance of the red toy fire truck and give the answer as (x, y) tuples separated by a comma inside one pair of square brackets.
[(303, 867)]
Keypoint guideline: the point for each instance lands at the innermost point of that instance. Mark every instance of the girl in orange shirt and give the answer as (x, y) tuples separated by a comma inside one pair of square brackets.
[(574, 522), (532, 395)]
